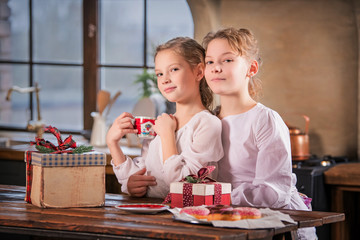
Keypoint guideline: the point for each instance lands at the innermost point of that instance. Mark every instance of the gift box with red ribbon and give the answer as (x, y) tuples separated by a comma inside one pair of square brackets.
[(197, 190), (64, 176)]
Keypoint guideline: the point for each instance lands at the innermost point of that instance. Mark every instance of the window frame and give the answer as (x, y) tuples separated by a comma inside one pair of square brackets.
[(91, 78)]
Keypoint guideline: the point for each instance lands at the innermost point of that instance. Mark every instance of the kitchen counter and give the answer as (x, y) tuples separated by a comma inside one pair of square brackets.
[(19, 143), (344, 180), (12, 165)]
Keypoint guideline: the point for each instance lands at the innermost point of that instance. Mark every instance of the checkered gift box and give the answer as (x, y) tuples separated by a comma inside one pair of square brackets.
[(66, 180)]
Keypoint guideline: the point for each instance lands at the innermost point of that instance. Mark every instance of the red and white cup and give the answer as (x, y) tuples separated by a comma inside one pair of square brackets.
[(144, 126)]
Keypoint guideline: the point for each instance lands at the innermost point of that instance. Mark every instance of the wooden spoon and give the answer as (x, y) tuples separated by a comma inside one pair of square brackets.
[(103, 98), (113, 99)]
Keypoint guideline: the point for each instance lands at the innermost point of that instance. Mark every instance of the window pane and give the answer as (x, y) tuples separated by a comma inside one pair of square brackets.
[(61, 96), (166, 20), (57, 30), (122, 32), (14, 113), (14, 37), (123, 80)]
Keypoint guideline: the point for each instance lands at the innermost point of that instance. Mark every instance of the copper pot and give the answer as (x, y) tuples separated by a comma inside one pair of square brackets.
[(300, 141)]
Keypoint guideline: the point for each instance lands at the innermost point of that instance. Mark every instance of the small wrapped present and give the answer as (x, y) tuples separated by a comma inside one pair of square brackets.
[(197, 190), (64, 176)]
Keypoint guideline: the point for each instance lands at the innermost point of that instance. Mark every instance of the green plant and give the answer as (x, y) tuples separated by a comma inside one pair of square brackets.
[(149, 83)]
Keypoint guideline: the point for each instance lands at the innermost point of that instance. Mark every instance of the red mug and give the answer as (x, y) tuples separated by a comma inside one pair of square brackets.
[(144, 127)]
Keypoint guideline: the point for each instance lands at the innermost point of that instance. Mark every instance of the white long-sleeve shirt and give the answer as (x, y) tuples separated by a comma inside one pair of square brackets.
[(198, 143), (257, 160)]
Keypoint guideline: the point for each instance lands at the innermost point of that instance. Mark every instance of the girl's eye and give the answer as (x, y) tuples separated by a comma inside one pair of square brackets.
[(159, 74), (209, 62), (228, 60), (174, 69)]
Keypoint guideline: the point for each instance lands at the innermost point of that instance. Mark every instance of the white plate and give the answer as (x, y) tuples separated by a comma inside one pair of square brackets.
[(143, 207)]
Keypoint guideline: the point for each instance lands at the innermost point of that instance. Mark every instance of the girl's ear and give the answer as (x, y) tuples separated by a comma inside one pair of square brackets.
[(200, 71), (254, 68)]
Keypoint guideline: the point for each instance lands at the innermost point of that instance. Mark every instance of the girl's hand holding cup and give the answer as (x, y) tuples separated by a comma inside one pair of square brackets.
[(120, 127), (165, 123)]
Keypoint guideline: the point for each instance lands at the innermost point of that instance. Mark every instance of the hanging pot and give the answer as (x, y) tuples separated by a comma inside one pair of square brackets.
[(300, 141)]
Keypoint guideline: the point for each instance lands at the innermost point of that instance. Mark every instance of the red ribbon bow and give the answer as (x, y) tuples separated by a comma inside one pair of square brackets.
[(201, 177), (62, 145)]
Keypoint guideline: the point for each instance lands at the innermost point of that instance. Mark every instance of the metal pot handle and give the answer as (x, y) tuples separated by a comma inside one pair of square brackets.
[(307, 121)]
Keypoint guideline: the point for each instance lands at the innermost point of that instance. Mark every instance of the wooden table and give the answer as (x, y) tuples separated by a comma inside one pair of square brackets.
[(107, 222), (344, 178)]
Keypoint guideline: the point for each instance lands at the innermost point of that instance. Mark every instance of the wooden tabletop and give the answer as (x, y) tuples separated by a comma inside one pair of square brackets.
[(347, 174), (107, 222)]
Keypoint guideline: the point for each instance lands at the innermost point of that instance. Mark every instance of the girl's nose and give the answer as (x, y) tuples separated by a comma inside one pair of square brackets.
[(166, 79), (217, 68)]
